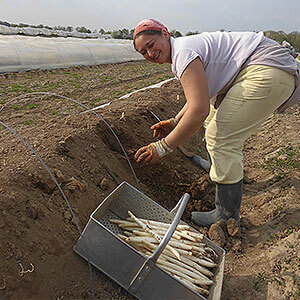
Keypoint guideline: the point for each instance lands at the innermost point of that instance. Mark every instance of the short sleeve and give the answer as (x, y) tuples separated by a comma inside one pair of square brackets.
[(181, 60)]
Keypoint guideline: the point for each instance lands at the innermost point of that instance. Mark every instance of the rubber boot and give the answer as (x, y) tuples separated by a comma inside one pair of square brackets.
[(201, 163), (228, 202)]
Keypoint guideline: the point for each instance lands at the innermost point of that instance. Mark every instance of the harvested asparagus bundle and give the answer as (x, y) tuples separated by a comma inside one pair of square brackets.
[(185, 257)]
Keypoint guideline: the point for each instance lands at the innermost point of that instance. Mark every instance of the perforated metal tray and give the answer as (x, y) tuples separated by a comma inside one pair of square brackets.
[(121, 262)]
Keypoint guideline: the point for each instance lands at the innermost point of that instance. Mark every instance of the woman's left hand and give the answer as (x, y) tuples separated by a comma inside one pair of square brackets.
[(151, 153), (146, 155)]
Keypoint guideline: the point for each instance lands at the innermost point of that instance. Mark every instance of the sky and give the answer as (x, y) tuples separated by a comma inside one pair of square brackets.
[(182, 15)]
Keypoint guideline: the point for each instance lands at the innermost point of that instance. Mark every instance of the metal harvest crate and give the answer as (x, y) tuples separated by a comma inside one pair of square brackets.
[(129, 268)]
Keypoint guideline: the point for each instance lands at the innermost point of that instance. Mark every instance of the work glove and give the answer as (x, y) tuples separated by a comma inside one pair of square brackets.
[(163, 128), (151, 153)]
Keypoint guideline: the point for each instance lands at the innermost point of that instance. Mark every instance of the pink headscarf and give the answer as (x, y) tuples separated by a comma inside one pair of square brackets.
[(149, 24)]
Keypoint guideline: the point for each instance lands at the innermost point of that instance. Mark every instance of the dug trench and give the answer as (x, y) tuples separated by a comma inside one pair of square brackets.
[(38, 231)]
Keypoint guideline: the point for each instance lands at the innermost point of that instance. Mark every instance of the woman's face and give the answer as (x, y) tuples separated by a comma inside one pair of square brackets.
[(155, 48)]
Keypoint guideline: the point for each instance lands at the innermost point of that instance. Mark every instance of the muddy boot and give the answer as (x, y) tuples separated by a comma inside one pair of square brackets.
[(201, 163), (228, 202)]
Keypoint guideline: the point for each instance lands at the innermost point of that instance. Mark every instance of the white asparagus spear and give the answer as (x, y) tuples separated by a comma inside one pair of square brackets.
[(205, 256), (160, 232), (137, 246), (191, 275), (201, 280), (161, 224), (197, 247), (189, 268), (194, 287), (197, 244), (177, 234), (203, 262), (213, 253), (129, 233), (148, 229), (172, 242), (129, 225), (184, 273), (190, 261), (197, 236), (183, 230), (186, 264), (194, 267), (200, 268), (186, 236), (180, 251), (151, 239), (198, 250), (123, 237), (179, 229)]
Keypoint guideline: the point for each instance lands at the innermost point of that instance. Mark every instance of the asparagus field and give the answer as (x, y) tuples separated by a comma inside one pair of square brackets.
[(38, 231)]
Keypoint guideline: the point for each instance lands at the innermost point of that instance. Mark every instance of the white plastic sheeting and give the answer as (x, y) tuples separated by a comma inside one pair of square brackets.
[(154, 86), (6, 30), (22, 53)]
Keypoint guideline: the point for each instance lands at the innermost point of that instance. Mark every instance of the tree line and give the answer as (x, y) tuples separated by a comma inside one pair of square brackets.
[(293, 37)]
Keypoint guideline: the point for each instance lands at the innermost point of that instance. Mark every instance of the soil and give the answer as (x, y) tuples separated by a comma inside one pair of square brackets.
[(38, 231)]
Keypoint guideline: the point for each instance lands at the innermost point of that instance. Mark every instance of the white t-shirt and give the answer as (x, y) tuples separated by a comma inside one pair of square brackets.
[(222, 55)]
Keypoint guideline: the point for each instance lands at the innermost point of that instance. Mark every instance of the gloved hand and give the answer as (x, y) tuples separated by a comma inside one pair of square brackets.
[(151, 153), (163, 128)]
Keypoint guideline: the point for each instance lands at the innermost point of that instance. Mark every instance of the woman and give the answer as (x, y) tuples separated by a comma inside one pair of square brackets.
[(233, 81)]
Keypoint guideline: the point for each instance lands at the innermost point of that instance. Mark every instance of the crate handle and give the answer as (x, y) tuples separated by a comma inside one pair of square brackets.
[(182, 202), (148, 265)]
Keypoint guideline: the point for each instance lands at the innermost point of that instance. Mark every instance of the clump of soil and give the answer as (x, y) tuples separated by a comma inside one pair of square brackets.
[(82, 153)]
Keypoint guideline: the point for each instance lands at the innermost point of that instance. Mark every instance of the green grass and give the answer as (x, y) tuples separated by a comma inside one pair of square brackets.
[(260, 279), (296, 295), (106, 78), (51, 86), (32, 106), (17, 88), (74, 83), (280, 282), (74, 75), (16, 107), (27, 89), (285, 159), (96, 101), (28, 122)]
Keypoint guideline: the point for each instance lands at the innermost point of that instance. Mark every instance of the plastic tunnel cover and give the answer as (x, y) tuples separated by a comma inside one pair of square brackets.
[(23, 53)]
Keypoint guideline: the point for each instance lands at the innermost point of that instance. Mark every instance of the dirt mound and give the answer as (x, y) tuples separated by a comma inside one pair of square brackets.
[(38, 231)]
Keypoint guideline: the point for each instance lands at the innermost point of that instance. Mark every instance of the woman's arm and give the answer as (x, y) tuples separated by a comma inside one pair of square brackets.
[(181, 112), (196, 109)]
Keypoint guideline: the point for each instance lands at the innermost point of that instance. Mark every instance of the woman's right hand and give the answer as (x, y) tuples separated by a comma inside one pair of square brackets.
[(163, 128)]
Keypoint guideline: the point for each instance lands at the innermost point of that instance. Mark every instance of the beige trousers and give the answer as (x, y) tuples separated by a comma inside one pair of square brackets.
[(256, 92)]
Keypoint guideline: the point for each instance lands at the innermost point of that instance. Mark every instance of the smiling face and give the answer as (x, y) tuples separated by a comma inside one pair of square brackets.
[(155, 48)]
